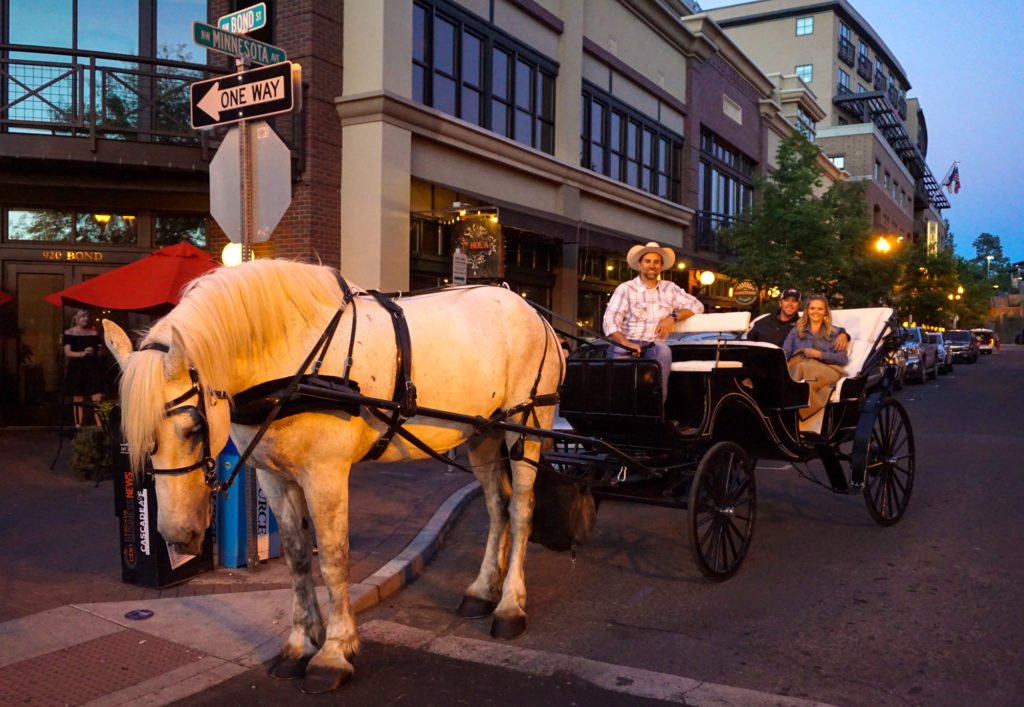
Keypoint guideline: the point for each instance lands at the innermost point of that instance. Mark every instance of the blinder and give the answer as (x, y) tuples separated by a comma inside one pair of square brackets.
[(197, 412)]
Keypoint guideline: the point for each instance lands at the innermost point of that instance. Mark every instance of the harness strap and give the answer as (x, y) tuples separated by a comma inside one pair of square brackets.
[(405, 390), (414, 440), (321, 348)]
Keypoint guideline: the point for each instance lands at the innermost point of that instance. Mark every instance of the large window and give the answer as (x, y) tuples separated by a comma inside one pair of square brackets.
[(843, 83), (467, 68), (625, 145), (67, 226), (804, 25), (805, 72), (725, 184)]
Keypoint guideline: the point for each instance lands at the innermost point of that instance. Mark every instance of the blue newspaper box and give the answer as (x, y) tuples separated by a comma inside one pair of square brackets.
[(231, 531)]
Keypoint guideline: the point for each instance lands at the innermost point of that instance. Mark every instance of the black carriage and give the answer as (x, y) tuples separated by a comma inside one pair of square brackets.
[(731, 402)]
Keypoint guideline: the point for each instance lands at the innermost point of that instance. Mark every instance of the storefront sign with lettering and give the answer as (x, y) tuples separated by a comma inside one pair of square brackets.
[(74, 256)]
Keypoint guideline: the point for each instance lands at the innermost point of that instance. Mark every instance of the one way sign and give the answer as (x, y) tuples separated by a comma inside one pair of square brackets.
[(250, 94)]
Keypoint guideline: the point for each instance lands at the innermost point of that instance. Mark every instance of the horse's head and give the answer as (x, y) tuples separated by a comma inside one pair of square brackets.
[(169, 416)]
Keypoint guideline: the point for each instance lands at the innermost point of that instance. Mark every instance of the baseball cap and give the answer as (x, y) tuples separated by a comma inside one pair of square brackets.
[(791, 292)]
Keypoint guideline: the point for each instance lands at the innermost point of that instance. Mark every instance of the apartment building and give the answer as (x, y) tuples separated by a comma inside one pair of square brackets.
[(545, 136), (871, 129)]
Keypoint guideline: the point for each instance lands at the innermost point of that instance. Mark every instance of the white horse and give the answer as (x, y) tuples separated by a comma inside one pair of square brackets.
[(477, 351)]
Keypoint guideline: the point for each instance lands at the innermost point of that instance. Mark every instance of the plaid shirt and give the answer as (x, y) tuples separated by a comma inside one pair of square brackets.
[(635, 309)]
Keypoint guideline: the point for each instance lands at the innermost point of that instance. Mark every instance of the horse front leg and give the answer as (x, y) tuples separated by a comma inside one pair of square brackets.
[(307, 633), (482, 595), (510, 615), (327, 495)]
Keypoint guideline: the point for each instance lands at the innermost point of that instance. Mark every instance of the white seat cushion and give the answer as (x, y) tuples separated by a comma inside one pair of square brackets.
[(715, 321), (704, 366), (864, 327)]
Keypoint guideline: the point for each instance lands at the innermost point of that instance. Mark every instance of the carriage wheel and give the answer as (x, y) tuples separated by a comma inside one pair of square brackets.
[(889, 463), (723, 505)]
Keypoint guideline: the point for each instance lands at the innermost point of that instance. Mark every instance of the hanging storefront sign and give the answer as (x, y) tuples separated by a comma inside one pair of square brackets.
[(480, 240), (744, 292)]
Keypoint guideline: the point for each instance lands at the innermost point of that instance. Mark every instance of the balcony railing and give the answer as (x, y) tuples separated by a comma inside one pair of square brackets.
[(842, 88), (901, 108), (846, 50), (879, 81), (864, 67), (707, 226), (93, 95)]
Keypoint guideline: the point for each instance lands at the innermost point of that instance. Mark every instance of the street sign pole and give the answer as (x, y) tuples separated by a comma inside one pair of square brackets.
[(252, 554)]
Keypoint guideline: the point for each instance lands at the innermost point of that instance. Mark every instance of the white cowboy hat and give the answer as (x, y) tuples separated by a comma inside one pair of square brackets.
[(668, 256)]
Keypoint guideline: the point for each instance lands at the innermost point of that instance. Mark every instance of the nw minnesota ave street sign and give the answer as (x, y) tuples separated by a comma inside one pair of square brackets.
[(235, 44), (249, 94)]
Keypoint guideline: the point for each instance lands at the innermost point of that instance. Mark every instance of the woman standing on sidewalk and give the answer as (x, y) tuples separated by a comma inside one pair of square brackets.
[(83, 378)]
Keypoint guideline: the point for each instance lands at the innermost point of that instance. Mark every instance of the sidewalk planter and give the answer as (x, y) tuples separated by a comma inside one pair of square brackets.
[(229, 517)]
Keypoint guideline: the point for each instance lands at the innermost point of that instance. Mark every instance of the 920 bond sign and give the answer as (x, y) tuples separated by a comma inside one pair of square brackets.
[(265, 91)]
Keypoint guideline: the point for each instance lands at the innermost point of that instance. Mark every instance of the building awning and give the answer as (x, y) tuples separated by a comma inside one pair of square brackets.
[(876, 107)]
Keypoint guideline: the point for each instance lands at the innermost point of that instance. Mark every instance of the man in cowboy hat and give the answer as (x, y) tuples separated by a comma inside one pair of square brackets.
[(645, 309), (775, 327)]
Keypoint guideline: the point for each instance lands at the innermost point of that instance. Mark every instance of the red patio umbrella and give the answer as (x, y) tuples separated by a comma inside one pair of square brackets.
[(151, 285)]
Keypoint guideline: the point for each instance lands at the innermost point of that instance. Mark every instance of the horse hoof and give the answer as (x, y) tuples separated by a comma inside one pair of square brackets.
[(286, 668), (475, 608), (508, 628), (320, 679)]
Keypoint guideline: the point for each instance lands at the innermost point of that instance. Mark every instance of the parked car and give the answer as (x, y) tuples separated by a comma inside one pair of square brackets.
[(964, 345), (986, 340), (945, 351), (922, 355)]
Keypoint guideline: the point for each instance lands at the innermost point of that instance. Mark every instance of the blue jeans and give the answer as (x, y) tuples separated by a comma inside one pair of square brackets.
[(660, 352)]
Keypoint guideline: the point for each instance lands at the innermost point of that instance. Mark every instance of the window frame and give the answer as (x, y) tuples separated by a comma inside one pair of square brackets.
[(644, 154), (501, 104), (804, 25), (809, 72)]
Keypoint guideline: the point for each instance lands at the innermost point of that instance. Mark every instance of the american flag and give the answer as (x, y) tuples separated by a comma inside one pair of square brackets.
[(952, 180)]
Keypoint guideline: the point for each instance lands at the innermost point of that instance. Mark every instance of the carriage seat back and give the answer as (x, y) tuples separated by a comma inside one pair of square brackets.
[(864, 327), (735, 322)]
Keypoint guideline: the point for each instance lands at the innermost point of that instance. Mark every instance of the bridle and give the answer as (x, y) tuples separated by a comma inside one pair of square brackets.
[(207, 462)]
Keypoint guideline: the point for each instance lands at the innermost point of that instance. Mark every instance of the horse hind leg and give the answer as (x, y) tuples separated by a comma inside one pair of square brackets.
[(509, 619), (288, 503), (483, 594)]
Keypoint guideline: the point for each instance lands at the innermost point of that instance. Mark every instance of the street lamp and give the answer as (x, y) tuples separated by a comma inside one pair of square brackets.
[(988, 265), (882, 245)]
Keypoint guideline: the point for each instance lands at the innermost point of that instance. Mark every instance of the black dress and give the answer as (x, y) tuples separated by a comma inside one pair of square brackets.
[(83, 374)]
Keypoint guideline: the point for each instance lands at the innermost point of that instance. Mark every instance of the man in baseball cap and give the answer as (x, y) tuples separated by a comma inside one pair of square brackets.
[(645, 309), (774, 327)]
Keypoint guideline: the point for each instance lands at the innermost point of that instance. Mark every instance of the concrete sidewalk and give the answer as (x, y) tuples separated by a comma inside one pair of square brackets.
[(64, 635)]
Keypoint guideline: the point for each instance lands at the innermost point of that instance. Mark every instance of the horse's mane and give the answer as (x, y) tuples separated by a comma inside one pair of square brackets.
[(226, 315)]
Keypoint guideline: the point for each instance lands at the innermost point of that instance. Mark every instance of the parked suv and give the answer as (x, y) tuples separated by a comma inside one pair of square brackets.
[(986, 340), (922, 355), (964, 345), (945, 352)]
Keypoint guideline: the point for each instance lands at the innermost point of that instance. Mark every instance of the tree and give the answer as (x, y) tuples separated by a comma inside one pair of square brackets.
[(816, 245), (997, 270), (786, 239), (865, 276)]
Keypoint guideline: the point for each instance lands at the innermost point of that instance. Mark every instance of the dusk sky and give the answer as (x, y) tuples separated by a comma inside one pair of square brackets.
[(963, 61)]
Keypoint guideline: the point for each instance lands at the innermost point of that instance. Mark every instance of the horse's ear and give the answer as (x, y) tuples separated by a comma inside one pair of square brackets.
[(175, 361), (117, 341)]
